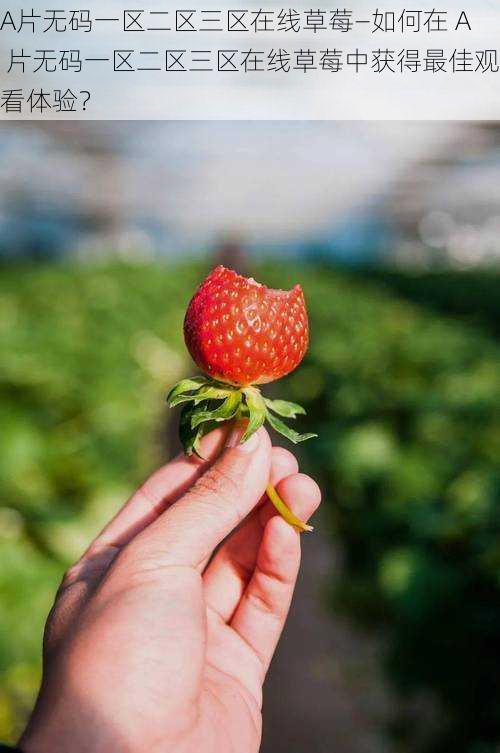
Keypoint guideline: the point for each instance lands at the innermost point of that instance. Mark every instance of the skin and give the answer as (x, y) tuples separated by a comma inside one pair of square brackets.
[(162, 634)]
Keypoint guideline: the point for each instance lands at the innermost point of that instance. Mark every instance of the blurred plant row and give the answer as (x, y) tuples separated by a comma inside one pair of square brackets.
[(407, 406)]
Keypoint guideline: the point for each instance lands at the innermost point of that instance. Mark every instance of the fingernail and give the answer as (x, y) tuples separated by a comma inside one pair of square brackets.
[(234, 440)]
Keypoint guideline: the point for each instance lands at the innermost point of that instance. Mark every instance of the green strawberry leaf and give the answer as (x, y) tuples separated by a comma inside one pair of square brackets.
[(199, 416), (244, 412), (223, 412), (284, 408), (185, 385), (257, 411), (179, 399), (285, 430), (206, 392), (190, 438), (204, 429), (209, 392)]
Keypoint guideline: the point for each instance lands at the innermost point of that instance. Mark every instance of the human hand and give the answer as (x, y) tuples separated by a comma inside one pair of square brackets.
[(156, 644)]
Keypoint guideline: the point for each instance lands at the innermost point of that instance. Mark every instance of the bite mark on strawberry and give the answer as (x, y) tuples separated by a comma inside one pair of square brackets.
[(241, 332)]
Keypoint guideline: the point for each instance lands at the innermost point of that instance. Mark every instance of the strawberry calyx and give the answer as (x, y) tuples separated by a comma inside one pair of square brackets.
[(207, 403)]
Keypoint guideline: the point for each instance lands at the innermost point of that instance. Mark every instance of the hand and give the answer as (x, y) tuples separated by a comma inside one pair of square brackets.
[(155, 644)]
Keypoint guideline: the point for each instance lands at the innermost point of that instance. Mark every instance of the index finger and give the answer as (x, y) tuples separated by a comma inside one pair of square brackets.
[(158, 492), (189, 531)]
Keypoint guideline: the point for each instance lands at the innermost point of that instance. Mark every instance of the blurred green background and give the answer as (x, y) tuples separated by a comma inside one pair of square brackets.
[(401, 382)]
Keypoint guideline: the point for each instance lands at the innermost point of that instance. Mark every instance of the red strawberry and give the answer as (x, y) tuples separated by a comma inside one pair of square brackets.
[(243, 333)]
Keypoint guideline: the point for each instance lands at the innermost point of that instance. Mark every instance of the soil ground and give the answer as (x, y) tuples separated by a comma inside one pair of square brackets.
[(322, 694)]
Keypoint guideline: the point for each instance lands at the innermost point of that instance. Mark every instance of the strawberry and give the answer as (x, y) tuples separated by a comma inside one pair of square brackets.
[(241, 334), (244, 333)]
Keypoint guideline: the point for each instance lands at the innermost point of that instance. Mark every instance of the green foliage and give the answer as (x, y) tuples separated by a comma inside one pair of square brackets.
[(471, 295), (406, 404), (209, 402), (87, 355)]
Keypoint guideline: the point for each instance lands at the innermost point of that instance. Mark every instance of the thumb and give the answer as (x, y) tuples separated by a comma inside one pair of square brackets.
[(189, 531)]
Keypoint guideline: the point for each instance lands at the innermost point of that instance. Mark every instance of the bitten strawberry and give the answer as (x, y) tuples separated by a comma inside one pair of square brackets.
[(241, 334), (244, 333)]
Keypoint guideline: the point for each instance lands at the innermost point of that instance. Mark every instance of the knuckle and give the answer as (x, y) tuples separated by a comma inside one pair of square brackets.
[(218, 493), (263, 603), (135, 558), (91, 566), (220, 484), (70, 576), (284, 573), (149, 495)]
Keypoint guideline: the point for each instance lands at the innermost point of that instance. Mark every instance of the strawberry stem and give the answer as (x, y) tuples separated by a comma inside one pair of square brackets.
[(207, 403), (285, 511)]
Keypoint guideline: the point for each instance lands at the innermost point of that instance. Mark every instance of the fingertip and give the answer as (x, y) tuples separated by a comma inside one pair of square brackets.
[(264, 438), (258, 440), (211, 445), (246, 463), (283, 464), (303, 484), (301, 493)]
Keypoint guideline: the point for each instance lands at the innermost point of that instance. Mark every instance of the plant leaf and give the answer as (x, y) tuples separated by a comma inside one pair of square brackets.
[(185, 385), (223, 412), (179, 399), (284, 408), (203, 429), (189, 437), (285, 430), (209, 392), (257, 411), (205, 392)]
